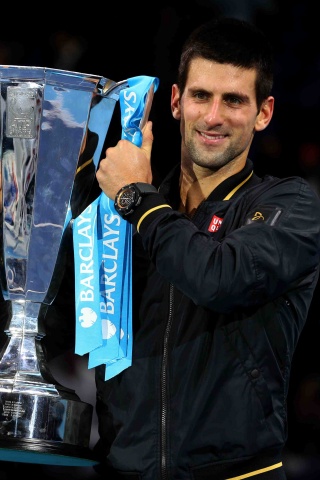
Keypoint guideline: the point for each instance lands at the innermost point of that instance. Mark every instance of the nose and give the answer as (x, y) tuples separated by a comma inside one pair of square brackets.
[(214, 113)]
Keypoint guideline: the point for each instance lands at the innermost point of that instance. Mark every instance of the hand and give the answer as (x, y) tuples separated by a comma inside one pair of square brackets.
[(126, 163)]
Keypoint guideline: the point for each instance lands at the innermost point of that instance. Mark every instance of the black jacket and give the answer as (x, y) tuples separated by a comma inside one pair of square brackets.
[(218, 310)]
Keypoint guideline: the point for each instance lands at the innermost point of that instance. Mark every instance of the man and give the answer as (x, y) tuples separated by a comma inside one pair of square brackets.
[(225, 266)]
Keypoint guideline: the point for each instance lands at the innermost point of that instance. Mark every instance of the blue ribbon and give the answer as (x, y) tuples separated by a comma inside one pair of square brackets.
[(103, 257)]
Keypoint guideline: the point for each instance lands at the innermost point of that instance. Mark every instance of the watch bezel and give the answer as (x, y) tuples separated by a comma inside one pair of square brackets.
[(126, 210)]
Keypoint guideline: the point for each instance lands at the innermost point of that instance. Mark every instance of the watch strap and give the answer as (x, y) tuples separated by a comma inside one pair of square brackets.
[(145, 188)]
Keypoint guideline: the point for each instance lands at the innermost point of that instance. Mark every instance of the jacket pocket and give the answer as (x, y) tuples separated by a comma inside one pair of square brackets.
[(245, 354)]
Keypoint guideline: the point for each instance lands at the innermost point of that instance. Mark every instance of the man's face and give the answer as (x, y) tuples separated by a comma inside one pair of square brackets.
[(218, 114)]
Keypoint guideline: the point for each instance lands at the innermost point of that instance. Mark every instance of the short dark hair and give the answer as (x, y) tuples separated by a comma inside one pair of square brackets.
[(232, 41)]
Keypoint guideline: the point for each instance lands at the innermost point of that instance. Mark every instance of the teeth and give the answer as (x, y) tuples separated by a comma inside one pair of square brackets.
[(211, 137)]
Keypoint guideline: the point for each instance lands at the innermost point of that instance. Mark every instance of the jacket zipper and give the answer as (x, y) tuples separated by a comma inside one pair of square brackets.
[(163, 388)]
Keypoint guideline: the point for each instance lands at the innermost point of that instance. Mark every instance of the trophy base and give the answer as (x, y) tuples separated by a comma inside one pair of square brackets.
[(44, 429), (45, 453)]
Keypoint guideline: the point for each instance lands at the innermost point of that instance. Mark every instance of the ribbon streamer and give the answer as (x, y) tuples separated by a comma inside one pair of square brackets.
[(103, 256)]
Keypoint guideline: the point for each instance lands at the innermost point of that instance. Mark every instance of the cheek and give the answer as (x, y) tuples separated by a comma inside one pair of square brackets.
[(182, 127), (245, 123), (190, 110), (195, 112)]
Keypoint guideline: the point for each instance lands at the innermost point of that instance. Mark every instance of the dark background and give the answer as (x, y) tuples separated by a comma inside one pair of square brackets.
[(124, 40)]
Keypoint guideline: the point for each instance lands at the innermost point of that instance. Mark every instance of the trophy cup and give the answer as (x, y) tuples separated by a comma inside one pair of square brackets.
[(47, 117)]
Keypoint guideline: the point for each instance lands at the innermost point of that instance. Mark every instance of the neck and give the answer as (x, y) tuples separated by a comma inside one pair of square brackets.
[(196, 183)]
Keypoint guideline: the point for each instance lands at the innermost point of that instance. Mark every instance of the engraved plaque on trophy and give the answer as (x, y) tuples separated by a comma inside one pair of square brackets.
[(45, 117)]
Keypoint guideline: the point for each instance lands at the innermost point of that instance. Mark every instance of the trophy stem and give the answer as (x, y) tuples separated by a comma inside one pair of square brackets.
[(19, 366)]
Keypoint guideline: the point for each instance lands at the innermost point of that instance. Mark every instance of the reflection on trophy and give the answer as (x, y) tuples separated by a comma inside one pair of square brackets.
[(48, 118)]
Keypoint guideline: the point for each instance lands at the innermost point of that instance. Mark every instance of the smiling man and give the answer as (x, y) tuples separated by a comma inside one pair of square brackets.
[(224, 268)]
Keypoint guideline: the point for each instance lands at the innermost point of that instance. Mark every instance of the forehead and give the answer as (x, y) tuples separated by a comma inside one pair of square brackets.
[(213, 76)]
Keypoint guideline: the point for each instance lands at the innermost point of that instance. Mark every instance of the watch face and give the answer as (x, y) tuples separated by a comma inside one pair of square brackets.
[(126, 198), (129, 197)]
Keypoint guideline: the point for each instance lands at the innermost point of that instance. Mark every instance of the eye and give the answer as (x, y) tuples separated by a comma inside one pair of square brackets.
[(233, 100), (200, 95)]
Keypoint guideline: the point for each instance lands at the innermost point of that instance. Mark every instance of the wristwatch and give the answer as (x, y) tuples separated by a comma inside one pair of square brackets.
[(130, 196)]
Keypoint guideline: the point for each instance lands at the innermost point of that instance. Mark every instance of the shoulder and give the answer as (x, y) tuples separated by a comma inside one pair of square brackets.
[(287, 187), (293, 197)]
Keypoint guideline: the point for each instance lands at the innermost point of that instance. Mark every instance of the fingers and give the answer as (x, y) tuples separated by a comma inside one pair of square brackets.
[(147, 139), (126, 163)]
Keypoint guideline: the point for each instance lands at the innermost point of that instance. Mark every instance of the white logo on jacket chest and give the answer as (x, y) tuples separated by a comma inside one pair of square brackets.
[(215, 223)]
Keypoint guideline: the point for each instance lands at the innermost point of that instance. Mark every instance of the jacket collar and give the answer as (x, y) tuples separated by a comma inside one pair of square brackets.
[(229, 188)]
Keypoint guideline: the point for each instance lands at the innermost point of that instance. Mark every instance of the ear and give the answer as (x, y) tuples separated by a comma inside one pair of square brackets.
[(265, 114), (175, 102)]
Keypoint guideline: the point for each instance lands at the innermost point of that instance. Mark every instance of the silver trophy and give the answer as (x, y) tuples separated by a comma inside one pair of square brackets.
[(48, 119)]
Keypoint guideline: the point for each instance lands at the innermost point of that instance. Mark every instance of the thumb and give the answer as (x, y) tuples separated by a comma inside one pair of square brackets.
[(147, 139)]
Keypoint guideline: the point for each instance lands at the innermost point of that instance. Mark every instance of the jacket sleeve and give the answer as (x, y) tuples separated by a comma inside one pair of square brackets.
[(253, 263)]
